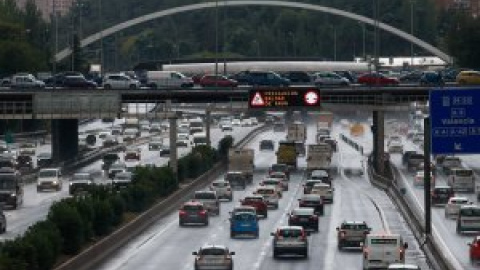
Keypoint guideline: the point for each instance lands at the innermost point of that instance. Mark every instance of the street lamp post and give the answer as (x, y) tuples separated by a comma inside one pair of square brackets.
[(102, 68), (54, 64), (375, 42), (412, 2), (216, 37)]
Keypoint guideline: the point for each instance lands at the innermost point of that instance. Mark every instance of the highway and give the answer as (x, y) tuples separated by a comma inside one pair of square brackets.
[(169, 246), (36, 205)]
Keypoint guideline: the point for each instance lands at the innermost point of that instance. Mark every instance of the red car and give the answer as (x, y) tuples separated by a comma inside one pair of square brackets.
[(475, 249), (377, 79), (217, 80), (258, 202)]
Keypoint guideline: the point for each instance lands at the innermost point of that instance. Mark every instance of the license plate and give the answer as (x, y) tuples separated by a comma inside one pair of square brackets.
[(304, 219)]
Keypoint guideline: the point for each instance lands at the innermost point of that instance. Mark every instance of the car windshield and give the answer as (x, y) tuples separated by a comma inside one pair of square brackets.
[(205, 195), (7, 182), (290, 233), (44, 155), (311, 183), (270, 182), (213, 251), (131, 156), (279, 167), (47, 173), (442, 190)]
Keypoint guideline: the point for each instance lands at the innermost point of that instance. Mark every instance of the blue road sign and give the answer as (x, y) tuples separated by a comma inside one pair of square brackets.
[(455, 121)]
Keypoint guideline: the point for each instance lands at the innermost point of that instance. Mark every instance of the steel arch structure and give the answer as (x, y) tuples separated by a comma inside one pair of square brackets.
[(193, 7)]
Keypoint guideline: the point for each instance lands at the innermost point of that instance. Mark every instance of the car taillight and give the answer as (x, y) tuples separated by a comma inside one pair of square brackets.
[(303, 236), (182, 213), (342, 234), (302, 204), (203, 212), (402, 254), (365, 253), (314, 217)]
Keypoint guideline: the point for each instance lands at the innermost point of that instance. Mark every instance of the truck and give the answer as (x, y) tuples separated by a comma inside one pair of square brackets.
[(325, 120), (287, 154), (242, 160), (319, 156), (297, 131)]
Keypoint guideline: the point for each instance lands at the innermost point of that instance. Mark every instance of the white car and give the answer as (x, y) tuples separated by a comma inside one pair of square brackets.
[(419, 179), (395, 146), (330, 78), (236, 122), (254, 121), (324, 190), (453, 206), (246, 122), (120, 81), (131, 134), (269, 194), (213, 257), (223, 189), (50, 178)]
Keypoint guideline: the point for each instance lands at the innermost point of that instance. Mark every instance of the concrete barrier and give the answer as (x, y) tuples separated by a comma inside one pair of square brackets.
[(95, 254)]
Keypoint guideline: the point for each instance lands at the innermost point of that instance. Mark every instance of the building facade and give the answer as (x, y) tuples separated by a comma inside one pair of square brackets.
[(47, 6)]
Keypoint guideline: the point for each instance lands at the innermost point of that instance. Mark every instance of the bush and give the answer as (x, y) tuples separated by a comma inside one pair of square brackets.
[(70, 224), (21, 254), (103, 221), (45, 237), (224, 144), (118, 208)]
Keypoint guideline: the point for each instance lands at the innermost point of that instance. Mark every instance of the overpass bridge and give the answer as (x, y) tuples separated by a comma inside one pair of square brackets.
[(64, 107)]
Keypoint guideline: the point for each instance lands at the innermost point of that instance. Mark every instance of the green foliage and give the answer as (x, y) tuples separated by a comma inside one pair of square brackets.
[(70, 225), (224, 144), (463, 37), (45, 237), (103, 218)]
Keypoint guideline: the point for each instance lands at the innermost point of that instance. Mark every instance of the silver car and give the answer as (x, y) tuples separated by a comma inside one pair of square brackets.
[(209, 199), (330, 78), (223, 189), (213, 257), (120, 81)]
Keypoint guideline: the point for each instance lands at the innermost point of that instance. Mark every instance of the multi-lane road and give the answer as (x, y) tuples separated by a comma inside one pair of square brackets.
[(168, 246)]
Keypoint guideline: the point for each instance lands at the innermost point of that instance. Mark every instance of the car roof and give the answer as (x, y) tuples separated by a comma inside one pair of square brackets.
[(286, 227), (403, 266), (353, 222)]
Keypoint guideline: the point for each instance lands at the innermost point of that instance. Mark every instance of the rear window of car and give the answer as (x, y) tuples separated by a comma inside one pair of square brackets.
[(354, 226), (290, 232), (464, 173), (311, 183), (470, 212), (279, 167), (384, 241), (205, 195), (270, 182), (131, 156), (311, 198), (415, 157), (213, 251), (190, 207), (303, 211), (244, 217), (265, 191), (251, 199), (220, 184), (443, 190)]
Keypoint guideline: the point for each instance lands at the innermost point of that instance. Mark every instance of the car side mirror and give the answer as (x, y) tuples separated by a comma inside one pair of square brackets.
[(232, 253), (272, 234), (369, 229), (405, 245), (338, 229), (469, 243), (194, 253)]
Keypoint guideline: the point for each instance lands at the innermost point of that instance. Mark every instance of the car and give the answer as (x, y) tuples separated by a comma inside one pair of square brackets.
[(27, 148), (453, 206), (260, 78), (403, 266), (11, 188), (109, 159), (298, 77), (347, 74), (305, 217), (155, 127), (237, 179), (308, 185), (24, 163), (3, 222), (236, 122), (282, 177), (115, 168), (213, 257), (209, 199), (110, 141), (474, 251), (122, 180), (193, 212), (132, 154), (441, 194), (80, 182), (411, 77), (44, 159), (278, 167), (57, 79), (290, 240), (322, 175), (164, 151), (267, 145), (278, 127), (312, 201), (270, 194), (382, 249), (155, 144), (258, 202), (244, 223), (352, 234), (330, 78), (49, 178), (273, 182), (468, 219), (432, 78), (226, 126), (120, 81), (5, 82), (131, 134), (377, 79), (223, 189), (470, 77), (395, 146), (419, 179), (78, 82), (212, 80), (26, 81), (324, 190)]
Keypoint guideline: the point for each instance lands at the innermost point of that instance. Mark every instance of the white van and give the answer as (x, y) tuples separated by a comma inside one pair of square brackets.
[(324, 190), (381, 250), (167, 79), (462, 179), (468, 219)]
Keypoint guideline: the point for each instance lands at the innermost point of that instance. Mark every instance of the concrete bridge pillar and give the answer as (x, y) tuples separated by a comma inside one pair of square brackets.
[(378, 130), (208, 120), (64, 139), (173, 145)]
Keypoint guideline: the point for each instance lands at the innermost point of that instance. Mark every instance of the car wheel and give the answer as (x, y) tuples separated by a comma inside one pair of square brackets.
[(275, 253), (232, 234), (107, 87), (180, 223), (39, 189), (305, 253)]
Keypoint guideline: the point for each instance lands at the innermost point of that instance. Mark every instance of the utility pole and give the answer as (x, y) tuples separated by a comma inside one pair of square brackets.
[(54, 64), (216, 37), (411, 32), (375, 42), (102, 68)]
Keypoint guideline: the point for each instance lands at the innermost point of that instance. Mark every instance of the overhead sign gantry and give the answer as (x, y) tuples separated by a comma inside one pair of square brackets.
[(283, 98)]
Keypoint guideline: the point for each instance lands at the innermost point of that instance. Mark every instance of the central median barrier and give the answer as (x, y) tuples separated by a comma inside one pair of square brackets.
[(435, 253), (97, 253)]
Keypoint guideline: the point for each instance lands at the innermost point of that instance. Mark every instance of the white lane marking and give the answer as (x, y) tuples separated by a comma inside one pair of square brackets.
[(267, 244)]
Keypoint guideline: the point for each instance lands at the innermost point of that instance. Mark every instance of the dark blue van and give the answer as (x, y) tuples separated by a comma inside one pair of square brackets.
[(244, 223), (260, 78)]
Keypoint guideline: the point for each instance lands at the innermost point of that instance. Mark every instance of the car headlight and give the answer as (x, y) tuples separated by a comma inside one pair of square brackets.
[(13, 195)]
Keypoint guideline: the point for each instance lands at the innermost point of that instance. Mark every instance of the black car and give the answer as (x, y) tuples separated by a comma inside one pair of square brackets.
[(304, 217), (80, 182), (109, 159), (298, 77), (57, 79), (267, 145), (313, 201), (406, 156), (78, 82), (412, 77), (24, 162), (44, 160), (165, 151), (280, 168), (307, 187), (441, 194), (432, 78)]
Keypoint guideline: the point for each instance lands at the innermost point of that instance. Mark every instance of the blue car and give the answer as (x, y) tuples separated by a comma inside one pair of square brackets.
[(432, 78), (244, 223), (260, 78)]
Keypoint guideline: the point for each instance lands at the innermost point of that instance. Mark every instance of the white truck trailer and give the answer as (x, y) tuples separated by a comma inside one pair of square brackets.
[(242, 160), (319, 156)]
